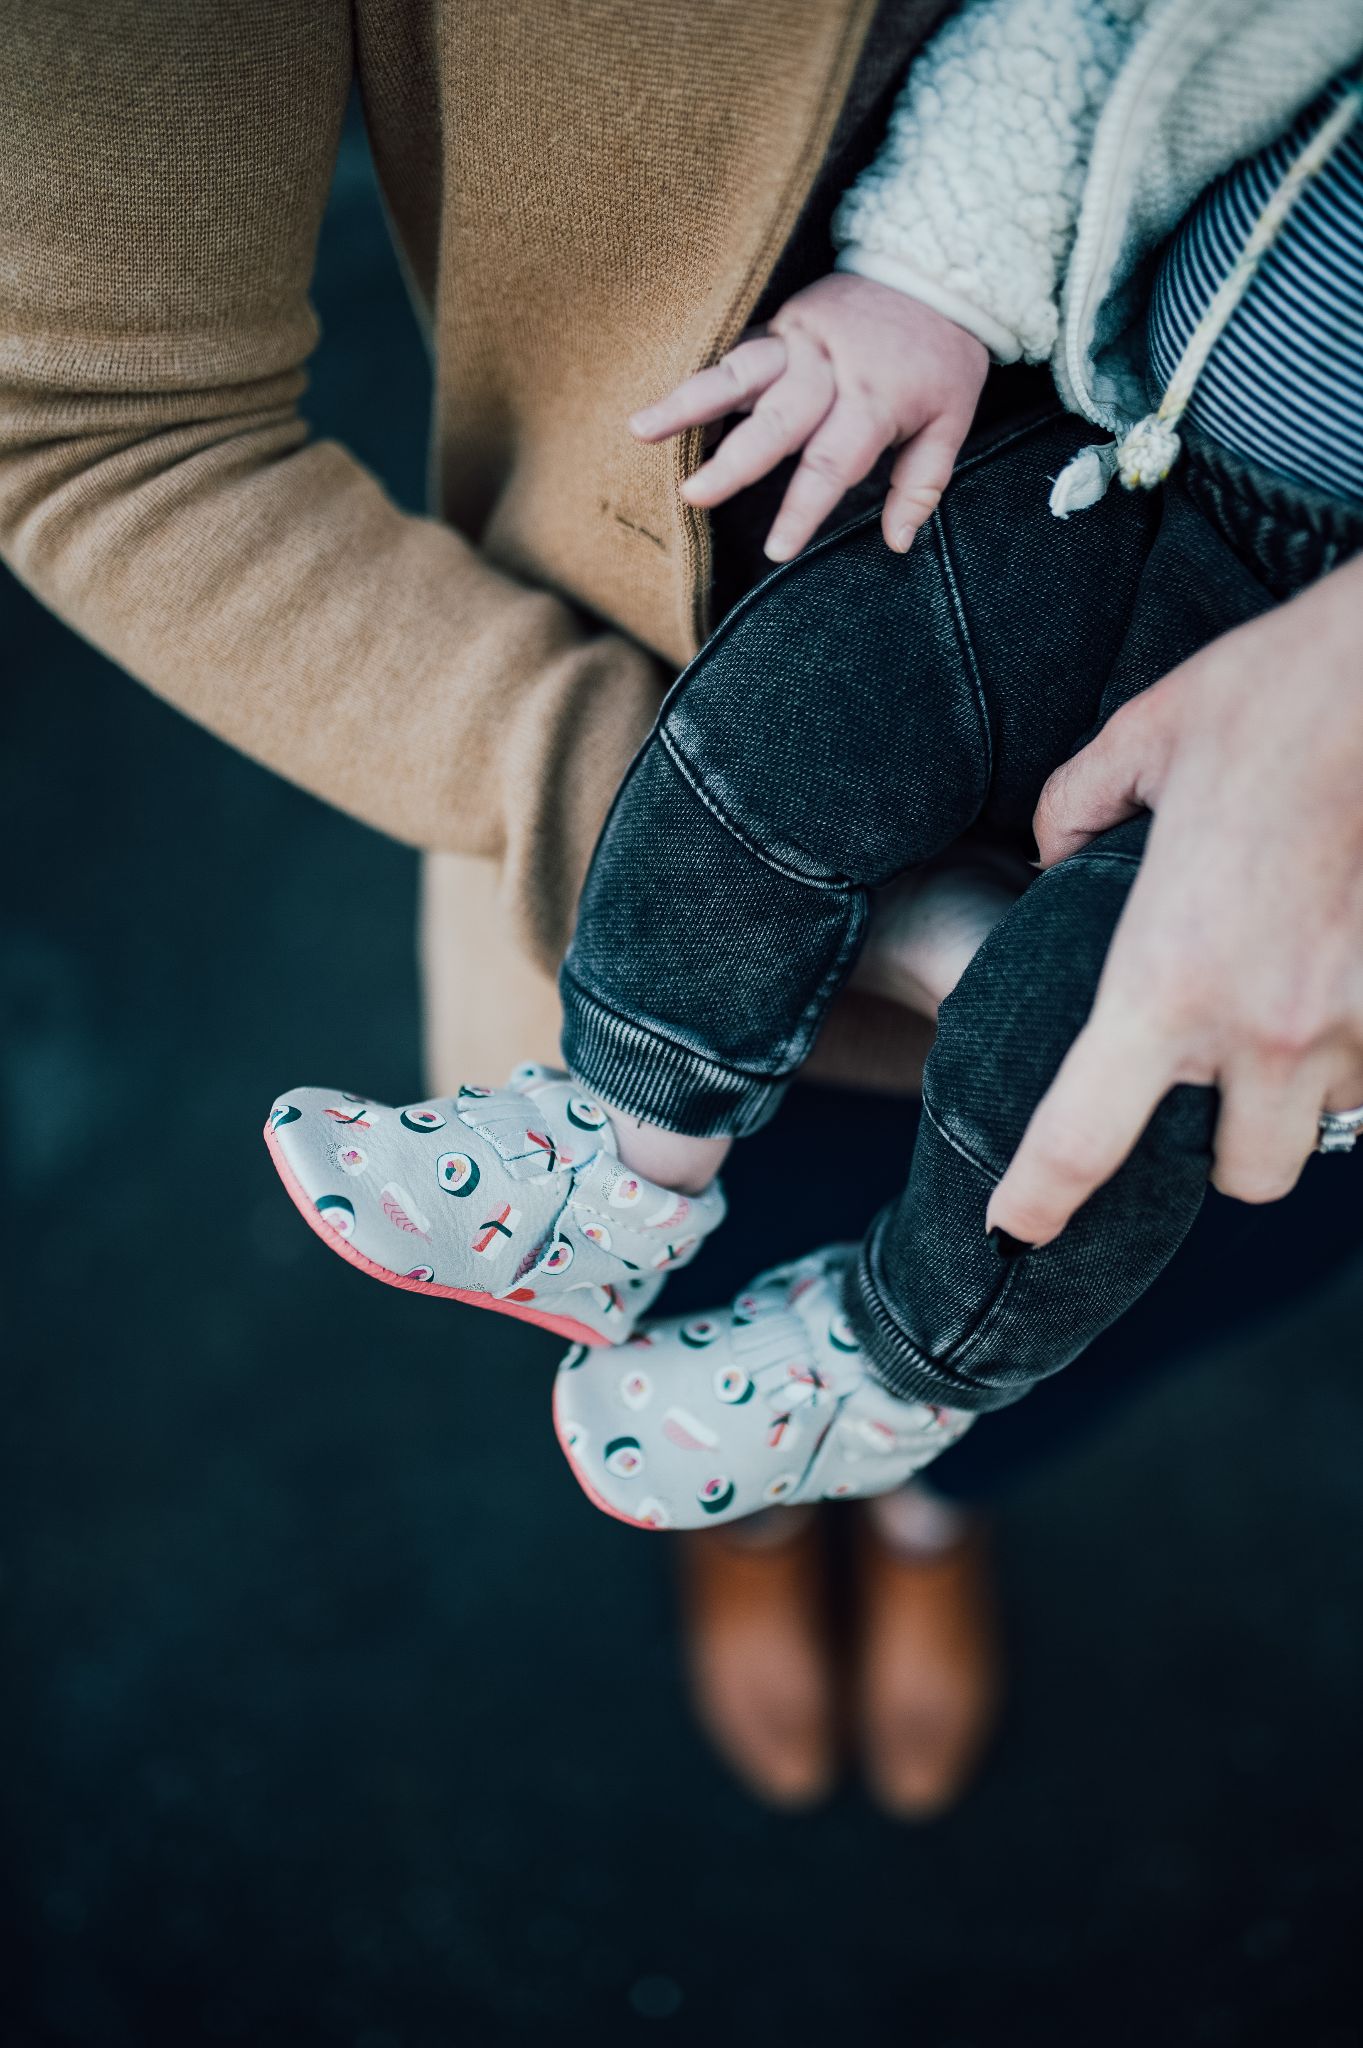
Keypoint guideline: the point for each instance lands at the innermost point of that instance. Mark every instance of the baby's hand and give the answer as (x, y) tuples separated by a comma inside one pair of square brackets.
[(846, 369)]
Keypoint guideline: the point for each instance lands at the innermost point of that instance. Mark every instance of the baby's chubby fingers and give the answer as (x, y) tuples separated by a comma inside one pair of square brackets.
[(921, 473), (844, 449), (782, 420), (732, 385)]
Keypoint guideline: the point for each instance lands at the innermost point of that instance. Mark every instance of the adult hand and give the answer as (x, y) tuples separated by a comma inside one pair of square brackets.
[(846, 369), (1238, 960)]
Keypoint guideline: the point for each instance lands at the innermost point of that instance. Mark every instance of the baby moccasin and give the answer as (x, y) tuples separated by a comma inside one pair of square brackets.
[(715, 1417), (511, 1199)]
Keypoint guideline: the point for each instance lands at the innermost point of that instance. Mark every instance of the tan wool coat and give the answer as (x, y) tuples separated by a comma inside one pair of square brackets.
[(588, 196)]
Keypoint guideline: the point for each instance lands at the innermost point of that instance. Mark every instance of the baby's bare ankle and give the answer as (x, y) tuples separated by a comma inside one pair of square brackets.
[(686, 1164)]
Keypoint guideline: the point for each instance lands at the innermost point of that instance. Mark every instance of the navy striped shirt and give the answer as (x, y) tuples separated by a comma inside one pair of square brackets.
[(1284, 382)]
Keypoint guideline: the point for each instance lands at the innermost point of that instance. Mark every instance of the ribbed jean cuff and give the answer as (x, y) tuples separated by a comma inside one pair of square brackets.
[(896, 1361), (635, 1068)]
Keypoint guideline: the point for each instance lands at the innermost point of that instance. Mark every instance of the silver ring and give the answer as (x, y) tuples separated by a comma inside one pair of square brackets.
[(1340, 1129)]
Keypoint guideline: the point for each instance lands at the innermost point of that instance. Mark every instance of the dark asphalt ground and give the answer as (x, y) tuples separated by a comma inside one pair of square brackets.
[(332, 1714)]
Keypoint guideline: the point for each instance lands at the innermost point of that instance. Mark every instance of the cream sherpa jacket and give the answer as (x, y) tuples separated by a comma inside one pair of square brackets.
[(1042, 151)]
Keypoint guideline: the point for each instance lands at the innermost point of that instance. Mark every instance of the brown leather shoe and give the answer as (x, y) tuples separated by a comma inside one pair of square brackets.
[(759, 1660), (929, 1679)]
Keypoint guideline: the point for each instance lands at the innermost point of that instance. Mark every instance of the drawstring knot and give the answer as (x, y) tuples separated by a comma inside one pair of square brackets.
[(1148, 451)]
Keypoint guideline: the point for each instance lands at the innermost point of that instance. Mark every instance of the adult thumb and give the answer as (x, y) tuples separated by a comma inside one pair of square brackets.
[(1111, 779)]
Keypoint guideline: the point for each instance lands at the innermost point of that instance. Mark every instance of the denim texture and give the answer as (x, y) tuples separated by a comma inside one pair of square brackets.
[(852, 716)]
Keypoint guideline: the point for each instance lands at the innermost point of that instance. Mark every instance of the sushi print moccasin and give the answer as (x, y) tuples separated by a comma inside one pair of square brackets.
[(511, 1198), (715, 1417)]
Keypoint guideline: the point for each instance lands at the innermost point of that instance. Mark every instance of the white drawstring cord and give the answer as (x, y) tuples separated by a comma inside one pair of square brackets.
[(1149, 449)]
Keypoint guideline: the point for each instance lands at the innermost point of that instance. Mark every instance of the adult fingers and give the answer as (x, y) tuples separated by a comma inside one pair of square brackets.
[(843, 451), (1083, 1128), (1346, 1092), (731, 385), (1108, 781), (921, 473), (782, 420), (1267, 1127)]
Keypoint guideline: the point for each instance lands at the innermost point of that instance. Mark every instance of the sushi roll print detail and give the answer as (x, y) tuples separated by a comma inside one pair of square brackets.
[(737, 1412), (506, 1199)]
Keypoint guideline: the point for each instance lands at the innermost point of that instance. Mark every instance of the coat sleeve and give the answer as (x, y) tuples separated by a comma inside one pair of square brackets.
[(972, 201), (162, 178)]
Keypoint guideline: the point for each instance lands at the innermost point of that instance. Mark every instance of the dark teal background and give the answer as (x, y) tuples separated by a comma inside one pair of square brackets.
[(332, 1714)]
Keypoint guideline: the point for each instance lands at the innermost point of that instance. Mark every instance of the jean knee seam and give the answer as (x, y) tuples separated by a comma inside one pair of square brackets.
[(689, 772), (973, 458), (795, 1047), (797, 1044), (690, 776), (815, 1008), (953, 590), (961, 1150)]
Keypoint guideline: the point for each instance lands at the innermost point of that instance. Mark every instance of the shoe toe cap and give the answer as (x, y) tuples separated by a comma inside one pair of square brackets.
[(655, 1436)]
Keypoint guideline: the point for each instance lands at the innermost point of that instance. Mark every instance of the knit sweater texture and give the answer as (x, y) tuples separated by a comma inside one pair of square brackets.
[(588, 197)]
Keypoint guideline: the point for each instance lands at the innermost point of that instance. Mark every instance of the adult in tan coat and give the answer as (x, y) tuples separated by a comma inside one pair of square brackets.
[(590, 201)]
